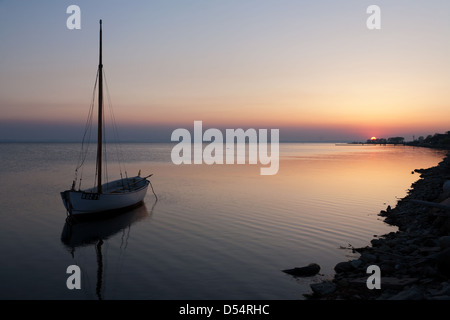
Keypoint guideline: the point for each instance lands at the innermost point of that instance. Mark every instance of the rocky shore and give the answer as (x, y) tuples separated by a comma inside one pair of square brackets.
[(414, 262)]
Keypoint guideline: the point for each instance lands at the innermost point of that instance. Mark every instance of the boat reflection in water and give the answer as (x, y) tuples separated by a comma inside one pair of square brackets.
[(94, 232)]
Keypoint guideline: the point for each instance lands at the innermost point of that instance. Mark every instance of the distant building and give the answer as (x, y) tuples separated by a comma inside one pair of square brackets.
[(393, 140), (377, 141), (396, 140)]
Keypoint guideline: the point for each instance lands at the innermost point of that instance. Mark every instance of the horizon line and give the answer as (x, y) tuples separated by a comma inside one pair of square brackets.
[(160, 141)]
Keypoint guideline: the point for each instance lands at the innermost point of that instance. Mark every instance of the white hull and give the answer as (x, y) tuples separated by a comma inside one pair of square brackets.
[(116, 195)]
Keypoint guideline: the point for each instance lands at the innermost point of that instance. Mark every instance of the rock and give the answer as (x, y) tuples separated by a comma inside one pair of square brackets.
[(429, 242), (387, 267), (368, 257), (443, 262), (440, 298), (446, 188), (344, 267), (396, 283), (429, 271), (444, 291), (359, 282), (356, 263), (323, 288), (376, 242), (428, 250), (444, 242), (307, 271), (412, 293), (445, 225)]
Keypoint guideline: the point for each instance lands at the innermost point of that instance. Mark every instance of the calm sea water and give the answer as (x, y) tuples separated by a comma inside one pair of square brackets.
[(215, 232)]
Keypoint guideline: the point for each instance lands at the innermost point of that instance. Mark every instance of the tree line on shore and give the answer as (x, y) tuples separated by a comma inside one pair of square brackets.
[(438, 140), (392, 140)]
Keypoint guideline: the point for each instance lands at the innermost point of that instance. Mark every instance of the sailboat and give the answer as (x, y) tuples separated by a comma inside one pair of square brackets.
[(121, 194)]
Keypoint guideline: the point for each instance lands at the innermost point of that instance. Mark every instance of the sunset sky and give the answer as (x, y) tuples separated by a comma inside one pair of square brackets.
[(309, 68)]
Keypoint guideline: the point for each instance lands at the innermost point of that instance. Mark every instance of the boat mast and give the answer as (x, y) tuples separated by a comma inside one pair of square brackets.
[(100, 117)]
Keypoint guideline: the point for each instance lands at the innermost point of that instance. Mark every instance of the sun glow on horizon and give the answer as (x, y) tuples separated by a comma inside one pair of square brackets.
[(214, 64)]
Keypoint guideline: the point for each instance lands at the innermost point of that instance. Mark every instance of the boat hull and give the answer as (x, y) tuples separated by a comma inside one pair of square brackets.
[(89, 201)]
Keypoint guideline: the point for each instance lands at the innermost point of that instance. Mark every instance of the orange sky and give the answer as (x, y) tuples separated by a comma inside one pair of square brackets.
[(237, 64)]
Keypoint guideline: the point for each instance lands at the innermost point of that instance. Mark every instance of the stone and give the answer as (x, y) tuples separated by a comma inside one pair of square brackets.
[(307, 271), (396, 283), (428, 250), (443, 262), (444, 290), (445, 225), (323, 288), (413, 293), (356, 263), (344, 267), (376, 242), (387, 268), (440, 298), (446, 188), (359, 282), (368, 257), (444, 242), (446, 202), (429, 242), (429, 271)]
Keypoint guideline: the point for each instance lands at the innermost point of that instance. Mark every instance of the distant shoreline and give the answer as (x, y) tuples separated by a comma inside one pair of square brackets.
[(142, 141), (370, 144)]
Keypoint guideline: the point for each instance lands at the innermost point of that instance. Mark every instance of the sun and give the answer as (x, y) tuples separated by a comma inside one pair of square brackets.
[(373, 138)]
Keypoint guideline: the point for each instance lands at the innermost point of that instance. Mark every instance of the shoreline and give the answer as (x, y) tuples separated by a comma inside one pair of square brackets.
[(414, 261)]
